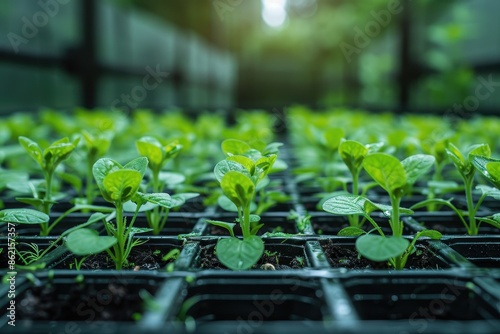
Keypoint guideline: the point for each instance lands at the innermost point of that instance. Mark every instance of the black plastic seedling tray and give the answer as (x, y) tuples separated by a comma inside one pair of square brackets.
[(305, 290)]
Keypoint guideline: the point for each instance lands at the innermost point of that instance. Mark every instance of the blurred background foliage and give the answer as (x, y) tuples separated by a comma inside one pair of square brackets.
[(294, 51)]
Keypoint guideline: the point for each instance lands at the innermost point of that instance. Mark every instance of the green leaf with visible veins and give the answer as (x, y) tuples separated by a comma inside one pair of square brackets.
[(225, 166), (161, 199), (238, 188), (103, 167), (352, 153), (150, 148), (138, 164), (345, 205), (121, 185), (244, 161), (416, 166), (239, 254), (493, 169), (386, 170), (86, 241), (23, 216), (481, 163), (234, 147), (33, 149), (378, 248), (350, 231)]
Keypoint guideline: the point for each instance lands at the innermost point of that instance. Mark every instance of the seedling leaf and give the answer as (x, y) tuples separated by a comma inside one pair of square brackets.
[(386, 170), (225, 166), (32, 148), (433, 234), (238, 188), (350, 231), (121, 185), (481, 164), (150, 148), (244, 161), (416, 166), (103, 167), (23, 216), (379, 249), (227, 226), (234, 147), (345, 205), (86, 241), (239, 254), (352, 153), (138, 164)]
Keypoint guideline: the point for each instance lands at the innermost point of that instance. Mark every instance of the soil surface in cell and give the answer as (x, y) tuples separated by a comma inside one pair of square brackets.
[(140, 258), (342, 256), (269, 260), (116, 301)]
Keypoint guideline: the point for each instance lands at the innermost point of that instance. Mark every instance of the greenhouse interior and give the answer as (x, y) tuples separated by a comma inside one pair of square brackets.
[(250, 166)]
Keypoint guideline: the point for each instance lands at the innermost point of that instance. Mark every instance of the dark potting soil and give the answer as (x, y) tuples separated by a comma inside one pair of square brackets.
[(342, 256), (140, 258), (82, 302), (268, 261)]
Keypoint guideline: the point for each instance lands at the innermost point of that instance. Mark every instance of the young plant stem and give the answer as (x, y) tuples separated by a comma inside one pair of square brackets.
[(472, 229), (245, 227), (399, 263), (396, 226), (154, 218), (409, 250), (375, 225), (89, 187), (120, 236), (44, 227), (164, 216), (354, 219), (442, 202)]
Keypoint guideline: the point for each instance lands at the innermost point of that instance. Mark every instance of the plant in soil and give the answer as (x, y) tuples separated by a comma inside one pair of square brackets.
[(239, 176), (264, 198), (465, 167), (490, 168), (118, 184), (353, 153), (158, 155), (48, 160), (396, 177)]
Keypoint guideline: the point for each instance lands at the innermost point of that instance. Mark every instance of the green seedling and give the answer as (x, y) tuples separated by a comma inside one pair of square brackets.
[(490, 168), (464, 165), (48, 160), (264, 199), (302, 222), (396, 177), (96, 146), (118, 184), (158, 155), (353, 154), (239, 176), (33, 258)]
